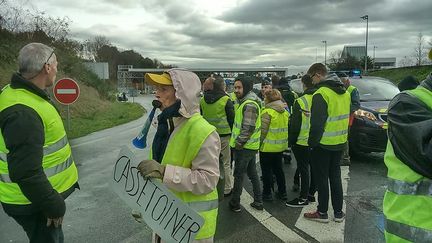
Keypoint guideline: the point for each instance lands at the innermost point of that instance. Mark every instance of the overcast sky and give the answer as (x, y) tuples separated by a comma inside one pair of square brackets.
[(222, 33)]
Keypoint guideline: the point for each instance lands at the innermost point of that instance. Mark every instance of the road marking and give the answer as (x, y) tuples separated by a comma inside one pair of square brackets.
[(331, 232), (267, 220), (66, 91)]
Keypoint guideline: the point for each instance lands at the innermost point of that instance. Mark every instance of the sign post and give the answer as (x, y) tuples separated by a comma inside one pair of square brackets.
[(66, 91)]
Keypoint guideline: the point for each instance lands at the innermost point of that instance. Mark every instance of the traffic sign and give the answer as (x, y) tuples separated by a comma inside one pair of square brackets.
[(66, 91)]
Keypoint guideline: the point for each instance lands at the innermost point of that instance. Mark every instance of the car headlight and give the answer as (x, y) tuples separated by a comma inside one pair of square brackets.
[(366, 114)]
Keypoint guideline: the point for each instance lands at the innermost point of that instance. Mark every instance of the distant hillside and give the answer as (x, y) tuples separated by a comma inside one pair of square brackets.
[(397, 74), (96, 96)]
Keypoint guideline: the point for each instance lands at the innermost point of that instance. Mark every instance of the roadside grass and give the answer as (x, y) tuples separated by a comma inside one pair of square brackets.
[(113, 115), (397, 74)]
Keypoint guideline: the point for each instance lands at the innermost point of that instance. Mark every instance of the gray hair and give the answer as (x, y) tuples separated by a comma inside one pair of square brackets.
[(32, 58)]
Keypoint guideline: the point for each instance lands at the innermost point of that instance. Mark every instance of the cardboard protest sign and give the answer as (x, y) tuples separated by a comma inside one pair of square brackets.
[(163, 212)]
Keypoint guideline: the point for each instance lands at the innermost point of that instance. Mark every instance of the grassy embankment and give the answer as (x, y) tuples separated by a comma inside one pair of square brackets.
[(96, 108), (397, 74)]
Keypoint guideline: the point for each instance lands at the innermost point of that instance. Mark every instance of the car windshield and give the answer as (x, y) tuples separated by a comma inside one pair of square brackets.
[(375, 89)]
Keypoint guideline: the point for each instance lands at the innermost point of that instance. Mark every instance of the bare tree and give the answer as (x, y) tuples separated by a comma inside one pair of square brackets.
[(420, 50), (406, 62)]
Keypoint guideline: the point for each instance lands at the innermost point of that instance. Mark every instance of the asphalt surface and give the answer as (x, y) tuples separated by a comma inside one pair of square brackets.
[(97, 214)]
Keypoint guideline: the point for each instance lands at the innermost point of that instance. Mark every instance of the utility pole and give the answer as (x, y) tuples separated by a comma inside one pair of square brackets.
[(374, 57), (366, 17), (325, 52)]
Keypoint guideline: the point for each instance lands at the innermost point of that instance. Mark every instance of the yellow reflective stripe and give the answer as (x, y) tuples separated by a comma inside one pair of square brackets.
[(280, 141), (46, 150), (203, 206), (55, 146), (305, 126), (423, 187), (407, 232), (338, 118), (305, 102), (334, 134), (274, 130), (48, 171)]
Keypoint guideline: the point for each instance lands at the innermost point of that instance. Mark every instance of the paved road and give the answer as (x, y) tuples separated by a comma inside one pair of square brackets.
[(96, 214)]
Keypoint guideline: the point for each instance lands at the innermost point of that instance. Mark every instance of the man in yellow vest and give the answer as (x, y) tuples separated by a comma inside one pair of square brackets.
[(355, 105), (245, 140), (37, 171), (299, 126), (186, 148), (327, 137), (408, 199), (218, 109)]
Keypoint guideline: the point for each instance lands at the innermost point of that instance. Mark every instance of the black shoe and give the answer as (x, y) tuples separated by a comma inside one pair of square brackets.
[(282, 196), (228, 194), (267, 197), (295, 188), (311, 199), (257, 206), (234, 208), (297, 203), (339, 217)]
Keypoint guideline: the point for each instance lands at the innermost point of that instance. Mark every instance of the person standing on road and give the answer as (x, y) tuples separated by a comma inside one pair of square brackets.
[(407, 201), (274, 140), (218, 109), (355, 105), (327, 138), (265, 86), (186, 148), (245, 141), (37, 171), (299, 128)]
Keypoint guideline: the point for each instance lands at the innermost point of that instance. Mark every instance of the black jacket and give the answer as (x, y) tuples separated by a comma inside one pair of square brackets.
[(296, 120), (212, 96), (410, 130), (24, 137), (319, 113)]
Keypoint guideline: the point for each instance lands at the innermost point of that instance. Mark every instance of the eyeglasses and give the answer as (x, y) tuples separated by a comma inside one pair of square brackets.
[(49, 57)]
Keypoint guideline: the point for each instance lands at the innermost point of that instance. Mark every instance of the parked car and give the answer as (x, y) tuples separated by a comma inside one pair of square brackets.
[(369, 129)]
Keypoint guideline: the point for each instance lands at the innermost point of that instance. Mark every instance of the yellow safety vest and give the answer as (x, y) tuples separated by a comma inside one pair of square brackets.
[(254, 141), (277, 135), (350, 89), (181, 151), (304, 102), (338, 108), (215, 114), (408, 199), (235, 100), (57, 161)]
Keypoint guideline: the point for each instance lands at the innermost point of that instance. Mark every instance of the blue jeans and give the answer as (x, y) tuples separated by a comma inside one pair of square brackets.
[(245, 163)]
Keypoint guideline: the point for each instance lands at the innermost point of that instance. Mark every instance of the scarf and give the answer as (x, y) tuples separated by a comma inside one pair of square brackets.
[(164, 131)]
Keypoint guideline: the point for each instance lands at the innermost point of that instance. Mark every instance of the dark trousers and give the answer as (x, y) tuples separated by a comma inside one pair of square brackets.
[(35, 227), (245, 164), (325, 166), (271, 163), (302, 155), (297, 176)]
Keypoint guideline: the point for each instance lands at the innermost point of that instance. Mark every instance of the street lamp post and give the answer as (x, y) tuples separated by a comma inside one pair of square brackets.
[(373, 67), (366, 17), (325, 52)]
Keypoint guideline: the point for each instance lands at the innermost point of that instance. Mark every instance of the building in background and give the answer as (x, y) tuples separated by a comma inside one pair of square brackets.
[(359, 52), (355, 51), (384, 62)]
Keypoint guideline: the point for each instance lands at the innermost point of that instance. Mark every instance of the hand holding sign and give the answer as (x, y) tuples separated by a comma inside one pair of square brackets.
[(163, 212), (151, 168)]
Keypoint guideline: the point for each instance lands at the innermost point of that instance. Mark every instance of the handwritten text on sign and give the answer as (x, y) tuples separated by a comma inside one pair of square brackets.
[(163, 212)]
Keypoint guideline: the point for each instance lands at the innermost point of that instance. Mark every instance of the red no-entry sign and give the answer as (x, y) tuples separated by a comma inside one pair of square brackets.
[(66, 91)]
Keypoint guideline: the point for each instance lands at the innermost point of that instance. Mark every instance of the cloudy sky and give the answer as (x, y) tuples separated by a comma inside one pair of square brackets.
[(222, 33)]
